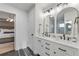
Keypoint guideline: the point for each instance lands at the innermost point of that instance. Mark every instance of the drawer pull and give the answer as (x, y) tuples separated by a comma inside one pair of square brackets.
[(62, 49), (47, 54), (39, 40), (47, 43), (47, 48)]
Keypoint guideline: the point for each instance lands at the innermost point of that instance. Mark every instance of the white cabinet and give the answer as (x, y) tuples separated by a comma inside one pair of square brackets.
[(48, 48), (67, 50), (39, 46), (62, 50)]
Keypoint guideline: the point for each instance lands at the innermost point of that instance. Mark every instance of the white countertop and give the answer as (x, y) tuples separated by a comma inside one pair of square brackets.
[(66, 43)]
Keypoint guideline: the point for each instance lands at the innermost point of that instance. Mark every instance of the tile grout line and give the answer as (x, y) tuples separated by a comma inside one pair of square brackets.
[(25, 52), (18, 52)]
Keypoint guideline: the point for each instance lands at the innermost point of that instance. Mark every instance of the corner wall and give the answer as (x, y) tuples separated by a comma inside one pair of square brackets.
[(31, 28)]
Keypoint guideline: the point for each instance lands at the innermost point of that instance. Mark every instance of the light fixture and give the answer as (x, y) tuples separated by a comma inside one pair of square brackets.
[(51, 11), (46, 14), (9, 19), (62, 4)]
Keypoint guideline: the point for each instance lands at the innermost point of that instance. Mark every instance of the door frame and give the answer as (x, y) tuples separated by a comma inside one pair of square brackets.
[(14, 27)]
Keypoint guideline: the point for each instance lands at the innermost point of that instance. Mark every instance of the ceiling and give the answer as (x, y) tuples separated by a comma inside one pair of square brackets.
[(22, 6), (28, 6)]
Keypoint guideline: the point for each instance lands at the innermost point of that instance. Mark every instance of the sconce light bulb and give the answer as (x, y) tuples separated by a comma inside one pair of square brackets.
[(11, 20)]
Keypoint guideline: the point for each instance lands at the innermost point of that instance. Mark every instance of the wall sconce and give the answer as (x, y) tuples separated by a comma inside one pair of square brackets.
[(51, 11), (62, 4)]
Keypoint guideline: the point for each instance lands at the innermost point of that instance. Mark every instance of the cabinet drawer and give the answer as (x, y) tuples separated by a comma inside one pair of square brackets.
[(55, 52), (46, 48), (62, 50), (48, 44), (67, 50), (51, 48), (46, 54)]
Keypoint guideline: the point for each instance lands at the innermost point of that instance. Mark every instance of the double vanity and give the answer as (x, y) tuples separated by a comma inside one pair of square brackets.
[(57, 30)]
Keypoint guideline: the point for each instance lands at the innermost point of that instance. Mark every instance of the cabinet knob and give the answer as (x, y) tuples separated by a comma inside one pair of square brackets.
[(32, 34)]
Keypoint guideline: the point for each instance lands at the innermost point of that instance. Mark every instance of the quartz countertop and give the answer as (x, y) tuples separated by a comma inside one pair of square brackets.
[(66, 43)]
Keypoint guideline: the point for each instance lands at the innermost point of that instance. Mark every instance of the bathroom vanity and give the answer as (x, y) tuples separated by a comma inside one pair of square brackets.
[(57, 34)]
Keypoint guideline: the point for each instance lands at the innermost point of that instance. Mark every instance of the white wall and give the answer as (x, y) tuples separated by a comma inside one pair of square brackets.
[(20, 25), (31, 28)]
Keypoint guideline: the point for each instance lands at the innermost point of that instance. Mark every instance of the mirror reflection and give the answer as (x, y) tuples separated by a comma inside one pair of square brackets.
[(60, 24), (64, 22), (51, 25), (68, 26)]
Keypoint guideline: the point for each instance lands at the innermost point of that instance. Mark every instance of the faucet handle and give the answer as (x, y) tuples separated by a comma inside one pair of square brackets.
[(64, 36)]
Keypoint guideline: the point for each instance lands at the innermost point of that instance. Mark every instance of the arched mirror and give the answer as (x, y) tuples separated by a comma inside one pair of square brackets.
[(67, 24), (65, 21)]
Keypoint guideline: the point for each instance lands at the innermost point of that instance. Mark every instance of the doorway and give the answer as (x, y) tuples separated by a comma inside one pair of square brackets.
[(7, 32)]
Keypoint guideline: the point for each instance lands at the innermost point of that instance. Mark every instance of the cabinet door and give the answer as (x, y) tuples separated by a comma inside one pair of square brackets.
[(62, 50), (37, 45), (40, 48), (54, 50), (47, 50), (65, 50)]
